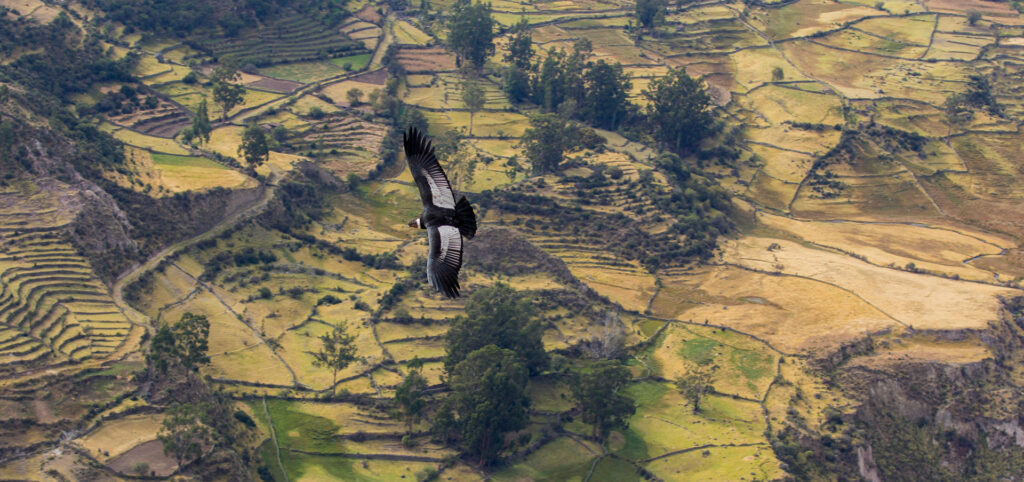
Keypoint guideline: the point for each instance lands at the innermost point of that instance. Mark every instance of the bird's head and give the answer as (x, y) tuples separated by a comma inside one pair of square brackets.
[(415, 223)]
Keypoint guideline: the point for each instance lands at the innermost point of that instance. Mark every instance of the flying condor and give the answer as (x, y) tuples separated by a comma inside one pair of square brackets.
[(445, 220)]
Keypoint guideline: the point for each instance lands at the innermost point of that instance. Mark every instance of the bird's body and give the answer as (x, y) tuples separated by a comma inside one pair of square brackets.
[(445, 220)]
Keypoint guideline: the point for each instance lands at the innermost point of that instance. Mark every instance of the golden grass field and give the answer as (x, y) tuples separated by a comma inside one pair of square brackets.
[(912, 251)]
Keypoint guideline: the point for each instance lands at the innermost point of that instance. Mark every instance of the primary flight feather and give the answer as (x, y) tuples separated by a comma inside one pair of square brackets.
[(445, 220)]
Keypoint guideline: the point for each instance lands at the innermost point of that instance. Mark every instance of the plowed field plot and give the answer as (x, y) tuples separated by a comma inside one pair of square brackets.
[(426, 60)]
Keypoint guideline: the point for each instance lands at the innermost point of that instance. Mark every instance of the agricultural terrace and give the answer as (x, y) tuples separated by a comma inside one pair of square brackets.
[(290, 38), (53, 309), (864, 210)]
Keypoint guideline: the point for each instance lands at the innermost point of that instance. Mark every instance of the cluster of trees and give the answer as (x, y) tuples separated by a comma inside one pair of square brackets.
[(550, 136), (960, 106), (183, 345), (183, 18), (125, 101), (570, 83), (245, 257), (197, 421), (490, 354), (62, 60), (201, 128)]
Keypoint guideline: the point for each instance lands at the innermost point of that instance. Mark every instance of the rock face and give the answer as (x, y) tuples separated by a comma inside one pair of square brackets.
[(939, 421)]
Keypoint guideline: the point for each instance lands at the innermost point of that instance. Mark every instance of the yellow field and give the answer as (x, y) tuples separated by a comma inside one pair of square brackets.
[(924, 302), (136, 139), (116, 437), (938, 249), (721, 463), (406, 33)]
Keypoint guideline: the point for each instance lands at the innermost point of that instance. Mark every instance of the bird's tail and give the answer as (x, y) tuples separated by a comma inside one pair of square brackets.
[(466, 218)]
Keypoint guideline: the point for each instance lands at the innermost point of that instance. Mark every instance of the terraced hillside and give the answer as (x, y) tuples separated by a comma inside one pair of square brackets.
[(54, 310), (844, 255), (289, 38)]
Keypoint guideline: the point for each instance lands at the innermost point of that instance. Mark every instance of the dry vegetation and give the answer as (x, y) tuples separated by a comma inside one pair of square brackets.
[(910, 246)]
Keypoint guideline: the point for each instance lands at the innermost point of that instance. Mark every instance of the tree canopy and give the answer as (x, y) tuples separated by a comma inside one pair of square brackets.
[(184, 344), (500, 316), (696, 383), (679, 111), (254, 146), (182, 434), (607, 100), (473, 97), (488, 401), (337, 351), (410, 397), (225, 91), (471, 32), (596, 391)]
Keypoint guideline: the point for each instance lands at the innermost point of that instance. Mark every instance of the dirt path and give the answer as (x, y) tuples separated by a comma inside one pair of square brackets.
[(242, 213)]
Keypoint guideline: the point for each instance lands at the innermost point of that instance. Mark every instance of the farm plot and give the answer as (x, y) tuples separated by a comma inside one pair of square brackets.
[(143, 141), (490, 124), (445, 92), (664, 423), (116, 437), (365, 32), (861, 75), (746, 367), (303, 72), (793, 314), (290, 38), (341, 143), (423, 60), (934, 249), (407, 33), (927, 302), (190, 173)]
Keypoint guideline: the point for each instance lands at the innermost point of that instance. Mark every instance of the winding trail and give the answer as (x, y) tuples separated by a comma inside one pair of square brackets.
[(242, 213)]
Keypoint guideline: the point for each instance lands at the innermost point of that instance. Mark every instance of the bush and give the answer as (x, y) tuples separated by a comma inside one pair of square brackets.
[(265, 474), (190, 78), (973, 16), (141, 468), (328, 300), (245, 419)]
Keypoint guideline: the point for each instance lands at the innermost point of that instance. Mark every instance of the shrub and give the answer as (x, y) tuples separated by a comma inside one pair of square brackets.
[(973, 16), (328, 300), (245, 419)]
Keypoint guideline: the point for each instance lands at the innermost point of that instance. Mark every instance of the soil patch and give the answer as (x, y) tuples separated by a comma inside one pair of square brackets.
[(150, 453)]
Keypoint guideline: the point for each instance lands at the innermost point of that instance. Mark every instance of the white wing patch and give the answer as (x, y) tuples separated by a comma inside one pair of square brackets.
[(450, 239), (442, 195)]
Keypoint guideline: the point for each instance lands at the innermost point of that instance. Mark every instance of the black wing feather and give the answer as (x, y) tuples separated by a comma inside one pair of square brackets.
[(426, 171), (444, 259)]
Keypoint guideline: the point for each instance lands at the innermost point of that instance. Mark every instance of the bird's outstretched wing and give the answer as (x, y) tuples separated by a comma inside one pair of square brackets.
[(444, 259), (433, 184)]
